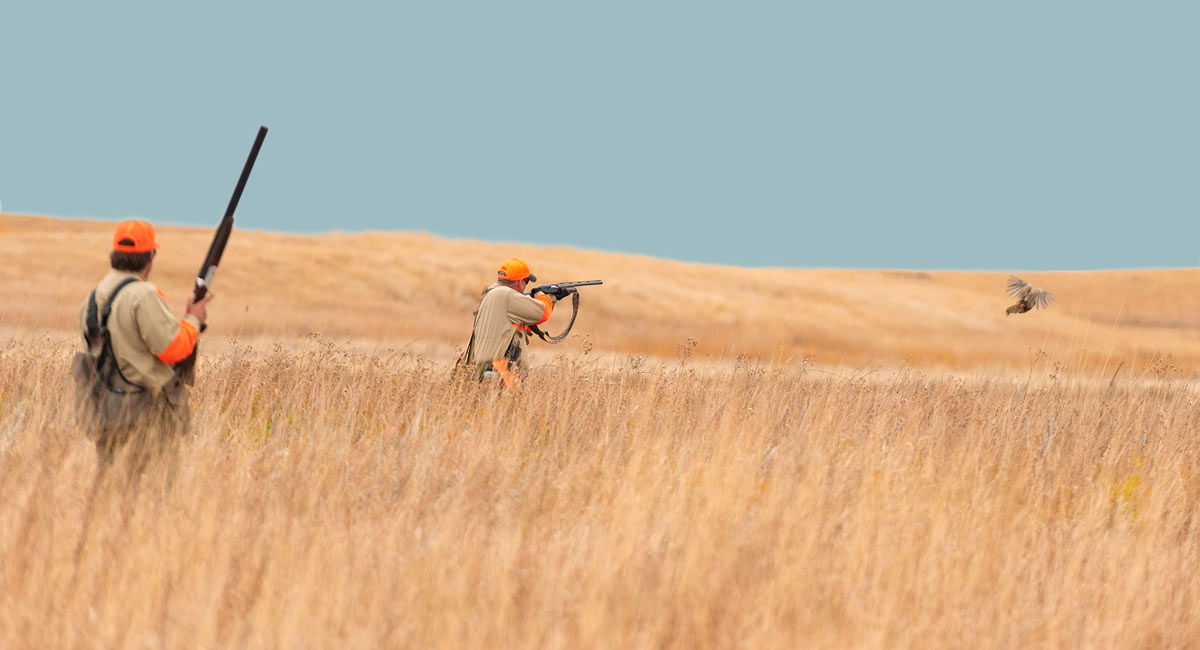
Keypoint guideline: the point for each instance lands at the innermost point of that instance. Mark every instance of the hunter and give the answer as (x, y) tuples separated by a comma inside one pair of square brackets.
[(504, 321), (129, 392)]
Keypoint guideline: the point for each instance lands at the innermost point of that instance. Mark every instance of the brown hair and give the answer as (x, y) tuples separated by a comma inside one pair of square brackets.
[(134, 262)]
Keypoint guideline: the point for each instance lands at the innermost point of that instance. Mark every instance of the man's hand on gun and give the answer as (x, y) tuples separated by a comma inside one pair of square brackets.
[(199, 309), (561, 293)]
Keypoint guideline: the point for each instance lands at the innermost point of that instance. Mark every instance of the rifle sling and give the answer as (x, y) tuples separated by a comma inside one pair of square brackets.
[(559, 339)]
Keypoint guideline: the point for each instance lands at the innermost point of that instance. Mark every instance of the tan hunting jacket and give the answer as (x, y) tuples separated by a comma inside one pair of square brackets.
[(147, 339), (499, 323)]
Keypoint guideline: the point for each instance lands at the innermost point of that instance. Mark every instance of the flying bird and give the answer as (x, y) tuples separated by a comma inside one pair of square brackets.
[(1027, 296)]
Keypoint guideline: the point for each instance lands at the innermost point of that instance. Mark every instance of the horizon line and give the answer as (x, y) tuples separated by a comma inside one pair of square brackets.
[(320, 233)]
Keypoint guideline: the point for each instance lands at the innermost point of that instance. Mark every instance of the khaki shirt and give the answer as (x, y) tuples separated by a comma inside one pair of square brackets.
[(142, 327), (501, 311)]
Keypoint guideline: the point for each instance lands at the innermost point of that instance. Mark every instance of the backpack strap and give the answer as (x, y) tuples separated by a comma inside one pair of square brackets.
[(112, 297), (97, 322), (99, 340)]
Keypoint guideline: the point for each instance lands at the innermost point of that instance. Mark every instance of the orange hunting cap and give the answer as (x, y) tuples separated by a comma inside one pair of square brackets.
[(134, 236), (515, 269)]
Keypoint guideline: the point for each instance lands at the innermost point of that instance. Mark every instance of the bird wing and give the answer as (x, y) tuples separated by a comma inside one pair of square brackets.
[(1040, 298), (1017, 288)]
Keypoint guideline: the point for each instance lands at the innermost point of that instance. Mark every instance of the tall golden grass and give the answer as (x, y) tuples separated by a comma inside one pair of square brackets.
[(720, 458), (334, 498)]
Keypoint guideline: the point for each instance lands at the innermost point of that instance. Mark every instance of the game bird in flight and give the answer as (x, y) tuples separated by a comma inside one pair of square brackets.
[(1027, 297)]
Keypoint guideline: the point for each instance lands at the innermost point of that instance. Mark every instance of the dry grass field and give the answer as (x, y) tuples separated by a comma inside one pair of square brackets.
[(842, 459)]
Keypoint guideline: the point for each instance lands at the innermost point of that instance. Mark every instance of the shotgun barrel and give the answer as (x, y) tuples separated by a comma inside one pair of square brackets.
[(186, 368), (212, 260), (557, 287)]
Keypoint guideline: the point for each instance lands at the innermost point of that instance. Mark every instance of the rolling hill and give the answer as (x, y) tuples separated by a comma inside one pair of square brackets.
[(419, 290)]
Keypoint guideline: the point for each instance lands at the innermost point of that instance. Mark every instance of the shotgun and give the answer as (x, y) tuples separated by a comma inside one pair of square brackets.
[(561, 290), (208, 270)]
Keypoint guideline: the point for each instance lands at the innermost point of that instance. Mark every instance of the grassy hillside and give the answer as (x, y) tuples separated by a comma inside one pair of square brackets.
[(420, 290), (340, 489)]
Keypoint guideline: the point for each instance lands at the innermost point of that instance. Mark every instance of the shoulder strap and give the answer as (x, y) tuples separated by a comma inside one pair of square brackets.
[(100, 342), (112, 297), (97, 320)]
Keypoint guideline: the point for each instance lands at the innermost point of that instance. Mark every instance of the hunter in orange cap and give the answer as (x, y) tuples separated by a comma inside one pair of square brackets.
[(503, 321), (515, 269), (129, 395), (134, 236)]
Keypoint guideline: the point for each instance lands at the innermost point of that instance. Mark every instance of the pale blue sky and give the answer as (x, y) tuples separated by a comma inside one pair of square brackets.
[(1000, 135)]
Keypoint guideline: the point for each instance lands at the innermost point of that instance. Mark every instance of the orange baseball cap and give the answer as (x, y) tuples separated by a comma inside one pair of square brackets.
[(134, 236), (515, 269)]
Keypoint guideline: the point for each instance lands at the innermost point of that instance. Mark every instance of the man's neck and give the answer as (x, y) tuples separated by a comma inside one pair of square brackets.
[(141, 275)]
